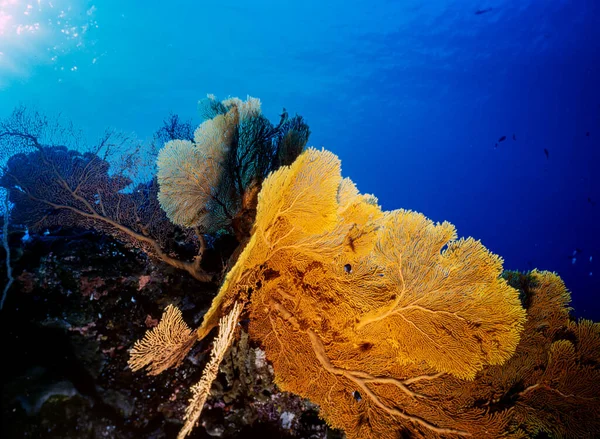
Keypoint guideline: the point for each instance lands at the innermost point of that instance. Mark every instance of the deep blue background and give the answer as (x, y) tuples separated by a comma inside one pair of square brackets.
[(412, 98)]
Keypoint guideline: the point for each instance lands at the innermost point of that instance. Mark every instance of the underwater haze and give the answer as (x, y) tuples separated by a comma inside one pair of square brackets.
[(485, 114)]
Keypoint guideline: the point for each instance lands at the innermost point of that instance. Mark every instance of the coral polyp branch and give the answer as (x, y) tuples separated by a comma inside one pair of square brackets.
[(201, 390)]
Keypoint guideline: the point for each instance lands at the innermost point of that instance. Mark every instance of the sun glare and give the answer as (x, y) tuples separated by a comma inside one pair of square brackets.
[(14, 18), (42, 32)]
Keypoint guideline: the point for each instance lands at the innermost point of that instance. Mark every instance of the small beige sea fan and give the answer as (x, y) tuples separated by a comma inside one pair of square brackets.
[(247, 109), (164, 346)]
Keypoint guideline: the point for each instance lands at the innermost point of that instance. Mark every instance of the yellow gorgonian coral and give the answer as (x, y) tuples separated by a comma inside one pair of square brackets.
[(165, 345), (347, 299), (555, 369), (391, 324)]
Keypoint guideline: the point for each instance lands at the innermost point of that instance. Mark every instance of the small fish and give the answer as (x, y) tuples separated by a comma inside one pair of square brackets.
[(587, 134), (244, 323), (573, 261), (26, 237), (590, 259), (496, 145), (514, 137), (547, 153), (502, 139), (482, 11), (591, 202)]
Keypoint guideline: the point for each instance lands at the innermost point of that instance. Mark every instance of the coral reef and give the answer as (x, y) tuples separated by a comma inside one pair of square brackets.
[(366, 308), (331, 315)]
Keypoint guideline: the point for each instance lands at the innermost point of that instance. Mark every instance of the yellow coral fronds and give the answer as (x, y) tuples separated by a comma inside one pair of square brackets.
[(309, 207), (201, 390), (564, 401), (444, 302), (164, 346), (548, 301), (346, 298), (588, 336), (300, 198), (552, 378)]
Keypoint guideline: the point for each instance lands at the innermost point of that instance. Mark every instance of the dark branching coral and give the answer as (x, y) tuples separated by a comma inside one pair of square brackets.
[(53, 184), (173, 128)]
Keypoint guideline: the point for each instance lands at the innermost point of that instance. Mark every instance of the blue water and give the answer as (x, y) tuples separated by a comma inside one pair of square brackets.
[(412, 98)]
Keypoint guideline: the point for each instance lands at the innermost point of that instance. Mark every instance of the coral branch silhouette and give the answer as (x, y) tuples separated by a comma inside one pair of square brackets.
[(52, 183)]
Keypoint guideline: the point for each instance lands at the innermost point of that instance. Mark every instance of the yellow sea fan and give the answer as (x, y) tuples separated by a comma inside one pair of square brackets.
[(450, 308), (347, 298), (391, 324), (271, 230), (549, 300), (300, 198)]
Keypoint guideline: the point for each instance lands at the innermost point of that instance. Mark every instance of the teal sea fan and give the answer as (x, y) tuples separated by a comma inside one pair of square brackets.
[(190, 174), (211, 183)]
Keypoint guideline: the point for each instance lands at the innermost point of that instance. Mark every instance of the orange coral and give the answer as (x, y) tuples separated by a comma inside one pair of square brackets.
[(552, 382), (554, 375), (392, 325), (346, 298)]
